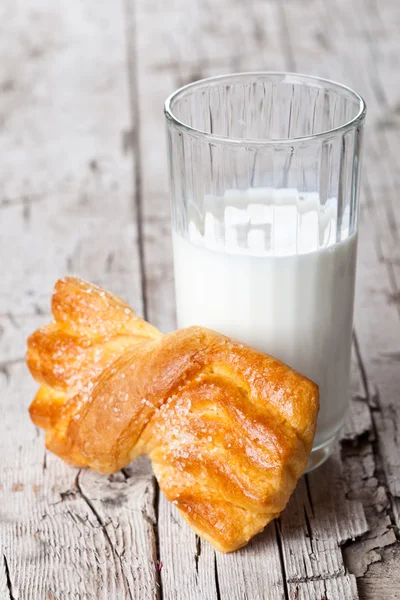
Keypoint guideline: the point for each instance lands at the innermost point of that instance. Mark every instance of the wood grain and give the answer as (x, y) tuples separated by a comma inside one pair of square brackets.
[(178, 68), (347, 38), (66, 206), (339, 587), (85, 191)]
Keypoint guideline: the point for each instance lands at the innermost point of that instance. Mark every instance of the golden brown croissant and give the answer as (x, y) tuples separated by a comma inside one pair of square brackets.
[(228, 429)]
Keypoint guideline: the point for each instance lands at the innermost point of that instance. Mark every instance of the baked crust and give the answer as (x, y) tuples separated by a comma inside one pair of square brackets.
[(228, 429)]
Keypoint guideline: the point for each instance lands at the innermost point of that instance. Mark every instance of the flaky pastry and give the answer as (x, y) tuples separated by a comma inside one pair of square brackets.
[(227, 428)]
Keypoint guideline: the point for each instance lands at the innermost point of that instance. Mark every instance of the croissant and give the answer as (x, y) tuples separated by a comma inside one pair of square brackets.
[(227, 428)]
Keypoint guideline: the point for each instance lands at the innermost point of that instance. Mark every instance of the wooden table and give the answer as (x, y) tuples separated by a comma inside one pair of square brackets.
[(84, 190)]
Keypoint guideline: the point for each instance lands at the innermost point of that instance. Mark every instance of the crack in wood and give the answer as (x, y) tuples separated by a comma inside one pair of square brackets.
[(374, 555), (8, 578), (38, 310), (94, 166), (358, 437), (76, 517), (125, 474), (309, 532), (157, 537), (148, 518), (20, 201), (323, 40), (361, 366), (12, 320), (368, 487), (135, 136), (4, 370), (309, 497), (373, 399), (281, 558), (127, 140), (109, 262), (324, 578), (26, 211), (68, 495), (4, 366), (304, 563), (216, 578), (100, 521), (382, 479), (197, 554), (324, 597), (392, 412), (65, 496)]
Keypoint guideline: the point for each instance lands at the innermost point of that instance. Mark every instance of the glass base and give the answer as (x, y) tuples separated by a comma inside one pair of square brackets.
[(319, 454)]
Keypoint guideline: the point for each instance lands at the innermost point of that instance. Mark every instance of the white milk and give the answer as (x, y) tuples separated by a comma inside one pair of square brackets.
[(273, 277)]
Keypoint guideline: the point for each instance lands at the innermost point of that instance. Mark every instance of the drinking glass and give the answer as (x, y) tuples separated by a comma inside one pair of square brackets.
[(264, 172)]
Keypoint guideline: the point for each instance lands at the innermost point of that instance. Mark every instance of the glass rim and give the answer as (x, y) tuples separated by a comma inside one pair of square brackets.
[(212, 137)]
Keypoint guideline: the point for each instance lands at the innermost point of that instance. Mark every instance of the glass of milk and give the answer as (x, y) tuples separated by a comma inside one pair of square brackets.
[(265, 171)]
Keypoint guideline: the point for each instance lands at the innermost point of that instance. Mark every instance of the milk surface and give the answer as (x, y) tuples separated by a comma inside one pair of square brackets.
[(273, 275)]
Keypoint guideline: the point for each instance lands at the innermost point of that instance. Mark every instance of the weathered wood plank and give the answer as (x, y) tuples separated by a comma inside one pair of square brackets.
[(317, 521), (386, 196), (348, 43), (69, 209), (379, 333), (358, 421), (321, 516), (124, 508), (66, 206), (181, 61), (364, 485), (5, 581), (254, 571), (381, 191), (343, 45), (382, 580), (193, 47), (180, 548), (339, 587)]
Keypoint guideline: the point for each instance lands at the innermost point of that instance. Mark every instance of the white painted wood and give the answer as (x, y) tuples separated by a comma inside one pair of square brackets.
[(66, 206), (317, 521), (254, 571), (358, 422), (354, 34), (84, 190), (189, 52), (188, 563), (199, 41), (192, 48), (364, 483), (338, 587), (352, 42), (379, 333)]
